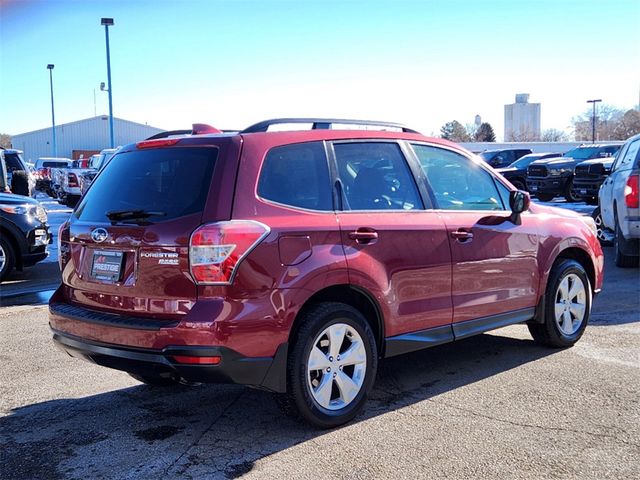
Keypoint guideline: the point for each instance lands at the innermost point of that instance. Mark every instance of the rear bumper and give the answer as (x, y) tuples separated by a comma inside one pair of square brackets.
[(267, 372)]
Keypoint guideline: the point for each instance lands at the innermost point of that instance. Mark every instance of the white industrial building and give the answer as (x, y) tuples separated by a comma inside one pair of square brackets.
[(522, 120), (82, 137)]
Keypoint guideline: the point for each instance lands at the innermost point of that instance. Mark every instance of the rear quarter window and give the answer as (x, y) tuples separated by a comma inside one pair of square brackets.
[(298, 176), (174, 181)]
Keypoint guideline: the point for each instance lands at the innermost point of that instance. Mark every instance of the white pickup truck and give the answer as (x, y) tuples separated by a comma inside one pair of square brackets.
[(70, 181)]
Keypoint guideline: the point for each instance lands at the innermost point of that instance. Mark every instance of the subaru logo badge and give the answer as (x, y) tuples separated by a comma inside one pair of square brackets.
[(99, 235)]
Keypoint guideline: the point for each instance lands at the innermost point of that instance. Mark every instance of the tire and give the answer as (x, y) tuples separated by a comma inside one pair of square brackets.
[(622, 260), (155, 380), (603, 236), (569, 195), (20, 183), (562, 326), (7, 258), (545, 197), (519, 184), (334, 404)]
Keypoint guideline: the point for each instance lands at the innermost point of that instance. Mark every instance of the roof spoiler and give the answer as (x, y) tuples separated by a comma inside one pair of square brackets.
[(197, 129), (324, 124)]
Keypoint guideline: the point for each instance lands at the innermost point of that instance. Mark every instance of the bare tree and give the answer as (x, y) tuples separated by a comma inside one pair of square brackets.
[(607, 119), (554, 135), (527, 135), (5, 140)]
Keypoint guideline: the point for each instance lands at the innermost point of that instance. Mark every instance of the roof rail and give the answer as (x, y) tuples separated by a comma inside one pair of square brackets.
[(323, 124)]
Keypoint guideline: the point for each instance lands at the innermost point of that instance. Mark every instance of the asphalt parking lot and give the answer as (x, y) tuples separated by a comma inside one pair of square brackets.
[(493, 406)]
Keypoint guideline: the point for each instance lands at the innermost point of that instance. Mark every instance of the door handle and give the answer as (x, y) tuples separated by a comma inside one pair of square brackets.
[(462, 235), (364, 237)]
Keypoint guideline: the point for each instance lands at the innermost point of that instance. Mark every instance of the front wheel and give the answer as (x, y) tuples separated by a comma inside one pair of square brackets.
[(603, 233), (569, 194), (545, 197), (332, 365), (567, 306), (7, 258)]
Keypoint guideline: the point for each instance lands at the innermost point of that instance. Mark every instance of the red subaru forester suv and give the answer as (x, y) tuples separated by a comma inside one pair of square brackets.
[(295, 260)]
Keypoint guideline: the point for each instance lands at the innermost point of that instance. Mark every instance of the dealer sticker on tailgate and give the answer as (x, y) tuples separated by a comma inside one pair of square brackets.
[(106, 265)]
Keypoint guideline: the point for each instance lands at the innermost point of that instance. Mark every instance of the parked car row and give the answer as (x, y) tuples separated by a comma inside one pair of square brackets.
[(24, 233), (576, 175)]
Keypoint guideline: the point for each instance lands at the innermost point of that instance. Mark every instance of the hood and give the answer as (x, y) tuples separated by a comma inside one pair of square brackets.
[(562, 212), (11, 199), (606, 162), (507, 170), (554, 162)]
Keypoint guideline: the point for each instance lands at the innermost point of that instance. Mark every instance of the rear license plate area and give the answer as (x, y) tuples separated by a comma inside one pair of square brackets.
[(106, 266)]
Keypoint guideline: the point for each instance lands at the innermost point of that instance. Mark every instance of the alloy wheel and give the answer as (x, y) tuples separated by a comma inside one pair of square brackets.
[(571, 304), (3, 258), (336, 366)]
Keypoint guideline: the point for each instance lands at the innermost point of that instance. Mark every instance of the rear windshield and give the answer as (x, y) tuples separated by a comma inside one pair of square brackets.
[(174, 181)]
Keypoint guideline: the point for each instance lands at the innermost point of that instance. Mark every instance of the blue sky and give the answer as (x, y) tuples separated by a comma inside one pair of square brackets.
[(232, 63)]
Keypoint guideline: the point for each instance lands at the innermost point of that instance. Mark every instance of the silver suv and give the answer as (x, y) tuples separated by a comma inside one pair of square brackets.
[(619, 200)]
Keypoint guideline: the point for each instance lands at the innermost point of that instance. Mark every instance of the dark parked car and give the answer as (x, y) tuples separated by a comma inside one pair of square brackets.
[(296, 260), (19, 176), (549, 178), (24, 233), (505, 157), (588, 176), (516, 173)]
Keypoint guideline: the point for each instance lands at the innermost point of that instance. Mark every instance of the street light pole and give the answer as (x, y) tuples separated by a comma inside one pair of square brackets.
[(107, 22), (593, 119), (53, 116)]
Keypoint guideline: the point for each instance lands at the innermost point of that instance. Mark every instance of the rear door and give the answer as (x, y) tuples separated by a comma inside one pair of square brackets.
[(395, 247), (129, 236), (606, 194), (494, 259)]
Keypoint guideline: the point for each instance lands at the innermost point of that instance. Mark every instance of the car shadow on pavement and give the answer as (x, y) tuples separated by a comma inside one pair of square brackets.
[(221, 431)]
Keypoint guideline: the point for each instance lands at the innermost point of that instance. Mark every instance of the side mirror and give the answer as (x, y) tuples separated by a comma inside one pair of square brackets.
[(519, 201)]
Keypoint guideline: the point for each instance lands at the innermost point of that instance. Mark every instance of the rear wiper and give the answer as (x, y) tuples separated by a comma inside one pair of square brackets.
[(115, 215)]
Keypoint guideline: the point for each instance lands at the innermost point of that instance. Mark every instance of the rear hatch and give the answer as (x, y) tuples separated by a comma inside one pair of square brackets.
[(128, 239)]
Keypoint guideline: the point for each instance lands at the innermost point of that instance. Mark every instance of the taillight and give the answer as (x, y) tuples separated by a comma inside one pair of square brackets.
[(632, 191), (216, 249), (163, 142), (72, 180), (64, 248)]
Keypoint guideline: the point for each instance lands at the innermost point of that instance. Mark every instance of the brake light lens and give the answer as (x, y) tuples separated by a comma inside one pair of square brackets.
[(163, 142), (72, 180), (632, 191), (217, 249)]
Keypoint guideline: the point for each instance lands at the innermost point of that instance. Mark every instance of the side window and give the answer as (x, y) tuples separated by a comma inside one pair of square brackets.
[(628, 157), (375, 176), (619, 157), (13, 162), (297, 175), (457, 182)]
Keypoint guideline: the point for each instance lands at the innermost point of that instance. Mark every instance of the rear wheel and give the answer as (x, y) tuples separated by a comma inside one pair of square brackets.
[(155, 380), (331, 367), (567, 306), (620, 245), (7, 258), (545, 197)]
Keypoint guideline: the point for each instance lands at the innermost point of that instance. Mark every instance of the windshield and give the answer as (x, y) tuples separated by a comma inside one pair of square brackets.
[(582, 153), (525, 161), (486, 156), (174, 181)]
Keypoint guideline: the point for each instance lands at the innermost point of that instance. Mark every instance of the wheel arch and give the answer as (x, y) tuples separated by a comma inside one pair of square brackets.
[(357, 297), (9, 235)]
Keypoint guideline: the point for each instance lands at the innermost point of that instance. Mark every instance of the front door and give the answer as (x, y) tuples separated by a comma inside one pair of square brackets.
[(494, 264)]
